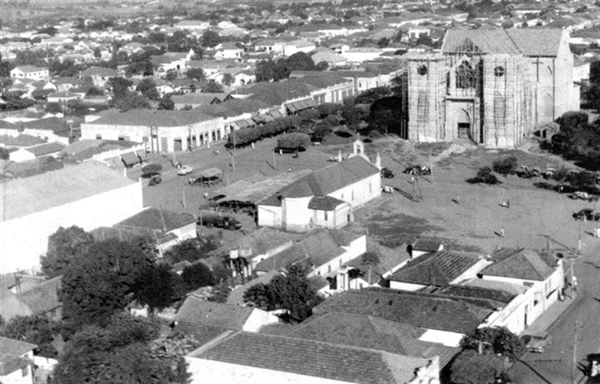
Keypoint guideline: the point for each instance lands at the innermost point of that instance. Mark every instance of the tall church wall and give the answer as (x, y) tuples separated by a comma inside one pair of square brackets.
[(507, 100), (426, 90)]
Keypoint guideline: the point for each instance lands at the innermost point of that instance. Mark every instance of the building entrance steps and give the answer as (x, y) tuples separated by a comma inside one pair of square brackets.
[(545, 321)]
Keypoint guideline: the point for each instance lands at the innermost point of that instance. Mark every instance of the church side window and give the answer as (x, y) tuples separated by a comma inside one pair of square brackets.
[(499, 71), (422, 70)]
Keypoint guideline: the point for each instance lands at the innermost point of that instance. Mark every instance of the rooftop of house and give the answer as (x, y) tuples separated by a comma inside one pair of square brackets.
[(45, 149), (21, 140), (439, 268), (373, 333), (261, 241), (326, 180), (55, 124), (412, 308), (198, 311), (520, 264), (157, 219), (23, 197), (14, 347), (30, 69), (41, 298), (317, 248), (236, 297), (10, 363), (160, 118), (525, 41), (313, 358)]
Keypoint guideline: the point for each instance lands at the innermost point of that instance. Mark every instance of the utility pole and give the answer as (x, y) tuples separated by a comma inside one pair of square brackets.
[(574, 370)]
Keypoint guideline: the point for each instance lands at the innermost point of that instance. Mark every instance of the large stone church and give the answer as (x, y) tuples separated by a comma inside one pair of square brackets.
[(492, 87)]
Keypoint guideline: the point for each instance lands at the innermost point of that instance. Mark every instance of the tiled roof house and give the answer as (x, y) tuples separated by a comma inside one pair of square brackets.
[(256, 358), (324, 198)]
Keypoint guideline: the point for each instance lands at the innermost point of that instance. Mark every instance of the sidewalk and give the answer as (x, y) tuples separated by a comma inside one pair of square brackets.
[(545, 321)]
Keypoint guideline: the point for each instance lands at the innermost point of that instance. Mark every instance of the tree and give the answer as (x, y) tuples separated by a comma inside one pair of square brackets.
[(171, 75), (300, 61), (228, 79), (64, 246), (151, 169), (294, 140), (96, 285), (369, 259), (132, 101), (125, 351), (196, 276), (211, 87), (485, 176), (148, 88), (469, 367), (494, 340), (38, 330), (119, 86), (291, 292), (191, 250), (196, 73), (156, 286), (506, 166), (210, 39), (166, 103)]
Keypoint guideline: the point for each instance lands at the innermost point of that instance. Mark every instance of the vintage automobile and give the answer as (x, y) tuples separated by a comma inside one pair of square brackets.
[(417, 170), (155, 180), (387, 173), (536, 343), (185, 170)]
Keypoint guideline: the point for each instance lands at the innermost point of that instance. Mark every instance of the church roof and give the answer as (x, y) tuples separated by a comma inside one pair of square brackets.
[(528, 42)]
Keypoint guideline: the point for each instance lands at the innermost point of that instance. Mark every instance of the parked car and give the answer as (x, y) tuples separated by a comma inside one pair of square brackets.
[(226, 222), (578, 195), (536, 343), (564, 188), (185, 170), (549, 174), (417, 170), (387, 173), (155, 180), (587, 214), (524, 172)]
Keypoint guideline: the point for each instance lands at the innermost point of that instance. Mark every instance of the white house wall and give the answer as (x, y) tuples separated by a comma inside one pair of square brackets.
[(24, 239), (269, 216), (257, 319), (545, 293), (204, 132), (361, 192), (449, 339), (406, 286), (216, 372)]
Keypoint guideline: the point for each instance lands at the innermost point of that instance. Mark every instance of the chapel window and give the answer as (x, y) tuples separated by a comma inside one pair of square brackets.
[(422, 70), (499, 71)]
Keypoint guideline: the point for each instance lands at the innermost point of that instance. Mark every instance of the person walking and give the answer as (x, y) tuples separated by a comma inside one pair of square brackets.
[(502, 232)]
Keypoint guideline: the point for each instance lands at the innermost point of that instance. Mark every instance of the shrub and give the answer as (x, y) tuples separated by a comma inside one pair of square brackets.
[(485, 176), (294, 141), (196, 276), (151, 169), (328, 109)]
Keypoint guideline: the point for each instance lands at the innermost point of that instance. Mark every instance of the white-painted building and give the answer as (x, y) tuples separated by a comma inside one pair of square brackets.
[(538, 278), (160, 131), (89, 195), (30, 72), (297, 361), (16, 361), (326, 198)]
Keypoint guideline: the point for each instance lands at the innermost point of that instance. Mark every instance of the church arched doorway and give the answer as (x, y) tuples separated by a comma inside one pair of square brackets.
[(462, 122)]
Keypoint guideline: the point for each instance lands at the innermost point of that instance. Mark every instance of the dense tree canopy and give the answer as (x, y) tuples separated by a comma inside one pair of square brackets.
[(98, 284), (64, 246), (291, 292), (38, 330), (125, 351)]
